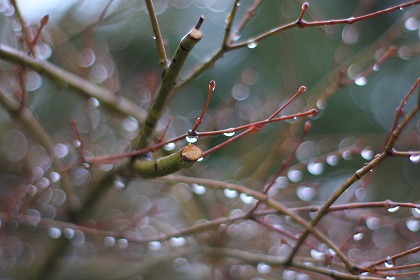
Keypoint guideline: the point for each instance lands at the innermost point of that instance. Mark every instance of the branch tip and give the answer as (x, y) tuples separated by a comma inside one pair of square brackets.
[(200, 22)]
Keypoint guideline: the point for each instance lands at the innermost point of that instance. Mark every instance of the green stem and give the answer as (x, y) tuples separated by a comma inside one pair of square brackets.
[(168, 82), (158, 35), (169, 164)]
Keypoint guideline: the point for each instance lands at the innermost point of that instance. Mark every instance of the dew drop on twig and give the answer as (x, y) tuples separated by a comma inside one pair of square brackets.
[(358, 236), (154, 246), (415, 158), (412, 225), (230, 193), (360, 81), (198, 189), (367, 154), (263, 268), (389, 262), (294, 175), (229, 134), (177, 241), (315, 168), (54, 232), (306, 193), (252, 45), (393, 209), (332, 160), (191, 138), (169, 146), (109, 241)]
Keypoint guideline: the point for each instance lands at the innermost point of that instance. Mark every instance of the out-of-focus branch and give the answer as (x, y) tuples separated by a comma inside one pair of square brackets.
[(31, 123), (107, 98)]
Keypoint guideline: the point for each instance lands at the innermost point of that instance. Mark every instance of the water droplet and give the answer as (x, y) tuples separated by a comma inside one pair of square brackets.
[(294, 175), (200, 159), (61, 150), (86, 58), (332, 160), (122, 243), (130, 124), (350, 35), (358, 236), (77, 143), (415, 158), (373, 223), (390, 278), (119, 184), (315, 168), (198, 189), (33, 81), (393, 209), (401, 9), (411, 24), (44, 182), (154, 37), (230, 193), (31, 190), (247, 199), (252, 45), (263, 268), (177, 241), (93, 102), (181, 264), (376, 67), (68, 233), (55, 177), (389, 262), (289, 274), (236, 37), (78, 239), (109, 241), (169, 146), (360, 81), (360, 194), (54, 232), (154, 246), (305, 193), (416, 212), (321, 104), (413, 225), (281, 182), (367, 154), (192, 137), (238, 3), (347, 155), (317, 254), (59, 197), (229, 134), (43, 51)]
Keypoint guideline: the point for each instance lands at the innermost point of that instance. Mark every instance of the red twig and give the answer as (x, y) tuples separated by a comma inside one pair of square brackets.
[(80, 148), (43, 23), (400, 111), (212, 87), (389, 53)]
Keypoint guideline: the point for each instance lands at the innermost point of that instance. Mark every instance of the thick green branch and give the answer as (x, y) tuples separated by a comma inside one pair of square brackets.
[(168, 82), (105, 96), (169, 164)]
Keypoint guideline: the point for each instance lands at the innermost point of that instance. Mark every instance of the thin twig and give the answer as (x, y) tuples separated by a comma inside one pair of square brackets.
[(163, 58)]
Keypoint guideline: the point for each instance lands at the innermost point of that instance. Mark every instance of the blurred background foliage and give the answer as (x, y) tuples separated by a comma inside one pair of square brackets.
[(119, 53)]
